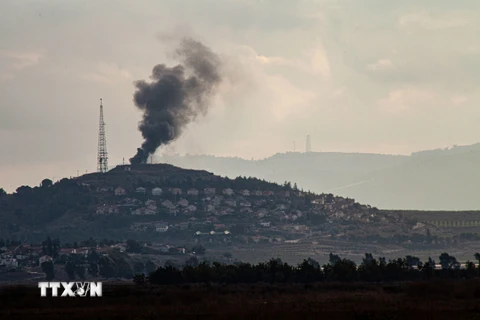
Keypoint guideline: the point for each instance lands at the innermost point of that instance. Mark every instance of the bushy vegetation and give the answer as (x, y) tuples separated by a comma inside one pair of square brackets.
[(371, 269)]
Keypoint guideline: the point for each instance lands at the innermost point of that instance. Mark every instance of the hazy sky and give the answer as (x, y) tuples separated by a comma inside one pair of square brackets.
[(370, 76)]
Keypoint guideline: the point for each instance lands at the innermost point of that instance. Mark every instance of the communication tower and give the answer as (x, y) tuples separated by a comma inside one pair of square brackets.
[(102, 155), (308, 146)]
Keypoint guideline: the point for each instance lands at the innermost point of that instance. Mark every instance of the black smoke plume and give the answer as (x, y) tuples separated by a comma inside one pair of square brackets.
[(175, 96)]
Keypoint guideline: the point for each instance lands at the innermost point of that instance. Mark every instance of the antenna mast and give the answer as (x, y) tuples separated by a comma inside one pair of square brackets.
[(308, 146), (102, 156)]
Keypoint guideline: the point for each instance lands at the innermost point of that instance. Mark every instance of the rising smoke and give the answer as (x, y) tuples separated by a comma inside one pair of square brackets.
[(175, 96)]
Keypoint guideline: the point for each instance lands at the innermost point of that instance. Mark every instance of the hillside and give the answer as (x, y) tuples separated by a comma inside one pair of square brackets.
[(442, 179), (166, 203)]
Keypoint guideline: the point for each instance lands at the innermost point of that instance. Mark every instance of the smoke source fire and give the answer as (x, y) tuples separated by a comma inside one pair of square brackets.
[(175, 96)]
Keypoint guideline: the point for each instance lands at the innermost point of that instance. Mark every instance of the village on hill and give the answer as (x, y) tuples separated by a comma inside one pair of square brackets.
[(162, 212)]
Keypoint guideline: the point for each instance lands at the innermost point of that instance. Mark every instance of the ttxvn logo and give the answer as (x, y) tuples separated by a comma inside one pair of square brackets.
[(71, 289)]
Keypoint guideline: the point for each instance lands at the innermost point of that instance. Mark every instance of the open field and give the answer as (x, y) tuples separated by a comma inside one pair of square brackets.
[(296, 253), (432, 300), (440, 215)]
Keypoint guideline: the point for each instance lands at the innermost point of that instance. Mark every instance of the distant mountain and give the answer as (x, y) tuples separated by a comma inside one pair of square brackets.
[(441, 179)]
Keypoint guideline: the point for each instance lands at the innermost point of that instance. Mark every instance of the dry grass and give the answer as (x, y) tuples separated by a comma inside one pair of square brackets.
[(433, 300)]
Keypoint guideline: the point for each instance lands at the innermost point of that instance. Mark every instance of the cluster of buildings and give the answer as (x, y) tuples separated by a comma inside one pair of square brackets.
[(267, 211)]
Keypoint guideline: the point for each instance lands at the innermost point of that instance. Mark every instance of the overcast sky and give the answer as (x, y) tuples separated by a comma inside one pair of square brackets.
[(368, 76)]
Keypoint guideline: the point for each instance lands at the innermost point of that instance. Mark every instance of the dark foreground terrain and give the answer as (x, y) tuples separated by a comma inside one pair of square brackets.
[(419, 300)]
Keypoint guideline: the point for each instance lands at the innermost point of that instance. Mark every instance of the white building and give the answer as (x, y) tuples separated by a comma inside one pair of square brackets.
[(43, 259), (168, 204), (157, 192), (161, 228), (183, 203), (245, 192), (141, 190), (228, 192), (191, 208), (9, 262), (192, 192), (209, 191)]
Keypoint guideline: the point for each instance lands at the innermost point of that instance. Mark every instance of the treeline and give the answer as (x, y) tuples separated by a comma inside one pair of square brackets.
[(238, 183), (371, 269)]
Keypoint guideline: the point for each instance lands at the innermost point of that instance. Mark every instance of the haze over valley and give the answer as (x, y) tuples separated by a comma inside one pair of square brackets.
[(441, 179)]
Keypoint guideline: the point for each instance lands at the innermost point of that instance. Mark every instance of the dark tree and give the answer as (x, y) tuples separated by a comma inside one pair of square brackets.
[(80, 272), (448, 262), (333, 259), (139, 267), (133, 246), (107, 267), (150, 267), (93, 256), (49, 270), (477, 257), (93, 269), (192, 262), (70, 269), (46, 183), (23, 190), (123, 269), (47, 247)]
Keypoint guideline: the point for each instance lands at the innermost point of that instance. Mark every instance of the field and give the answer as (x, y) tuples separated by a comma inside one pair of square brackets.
[(433, 300)]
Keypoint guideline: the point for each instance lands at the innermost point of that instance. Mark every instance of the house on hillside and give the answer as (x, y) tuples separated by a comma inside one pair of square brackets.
[(161, 228), (260, 202), (245, 204), (268, 193), (231, 203), (245, 192), (168, 204), (175, 191), (157, 191), (43, 259), (219, 226), (130, 202), (209, 191), (139, 212), (104, 209), (151, 205), (246, 210), (191, 208), (141, 190), (9, 262), (139, 227), (225, 211), (257, 193), (265, 224), (192, 192), (227, 192), (120, 191), (318, 201), (113, 209), (183, 203)]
